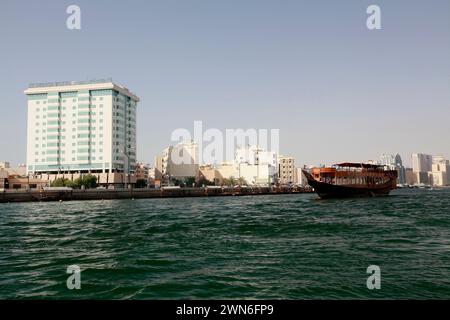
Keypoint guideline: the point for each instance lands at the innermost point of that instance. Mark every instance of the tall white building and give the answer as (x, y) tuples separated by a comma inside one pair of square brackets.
[(85, 126), (394, 163), (440, 171), (387, 160), (421, 165), (421, 162)]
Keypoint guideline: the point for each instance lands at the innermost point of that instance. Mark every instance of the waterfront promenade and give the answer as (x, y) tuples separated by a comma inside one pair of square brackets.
[(100, 194)]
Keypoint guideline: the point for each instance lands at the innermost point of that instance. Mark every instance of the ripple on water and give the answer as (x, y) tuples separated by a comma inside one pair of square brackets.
[(289, 246)]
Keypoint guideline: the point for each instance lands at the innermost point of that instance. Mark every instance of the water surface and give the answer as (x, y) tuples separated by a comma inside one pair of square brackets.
[(265, 247)]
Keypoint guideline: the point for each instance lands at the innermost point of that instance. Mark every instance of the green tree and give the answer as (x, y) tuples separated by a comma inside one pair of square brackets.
[(60, 182), (69, 183), (204, 182), (242, 181), (189, 182), (141, 183), (229, 181), (89, 181)]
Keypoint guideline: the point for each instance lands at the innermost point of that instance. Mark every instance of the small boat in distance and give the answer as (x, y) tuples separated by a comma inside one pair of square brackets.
[(351, 180)]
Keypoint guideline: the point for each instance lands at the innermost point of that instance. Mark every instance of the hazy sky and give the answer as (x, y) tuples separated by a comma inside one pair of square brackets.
[(336, 90)]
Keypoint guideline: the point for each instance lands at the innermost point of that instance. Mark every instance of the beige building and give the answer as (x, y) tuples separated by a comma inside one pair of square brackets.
[(410, 176), (4, 165), (158, 168), (226, 171), (179, 161), (17, 178), (209, 172), (440, 171), (141, 172), (286, 170), (218, 174)]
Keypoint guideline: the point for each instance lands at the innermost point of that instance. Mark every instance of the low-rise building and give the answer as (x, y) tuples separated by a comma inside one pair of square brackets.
[(226, 170), (256, 166), (286, 170), (300, 178), (209, 173), (179, 162), (257, 174), (4, 165), (141, 171)]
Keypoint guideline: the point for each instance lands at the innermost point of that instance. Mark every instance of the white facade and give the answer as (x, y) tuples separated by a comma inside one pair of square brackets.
[(300, 178), (81, 127), (440, 171), (255, 155), (421, 164), (180, 161), (388, 160), (4, 165), (392, 162), (257, 174), (255, 165)]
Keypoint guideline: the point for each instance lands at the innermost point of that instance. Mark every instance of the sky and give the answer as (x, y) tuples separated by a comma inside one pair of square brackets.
[(336, 90)]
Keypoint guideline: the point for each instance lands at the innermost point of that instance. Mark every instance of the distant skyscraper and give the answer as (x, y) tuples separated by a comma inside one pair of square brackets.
[(398, 160), (421, 165), (440, 171), (387, 160), (394, 163), (409, 176), (400, 169), (421, 162)]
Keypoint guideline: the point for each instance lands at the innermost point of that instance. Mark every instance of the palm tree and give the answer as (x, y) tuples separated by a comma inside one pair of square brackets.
[(242, 181)]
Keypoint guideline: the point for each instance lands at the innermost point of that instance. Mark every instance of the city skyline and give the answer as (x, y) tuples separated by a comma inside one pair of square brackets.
[(336, 90)]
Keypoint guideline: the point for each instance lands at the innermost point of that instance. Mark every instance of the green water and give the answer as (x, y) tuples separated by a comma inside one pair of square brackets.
[(289, 247)]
